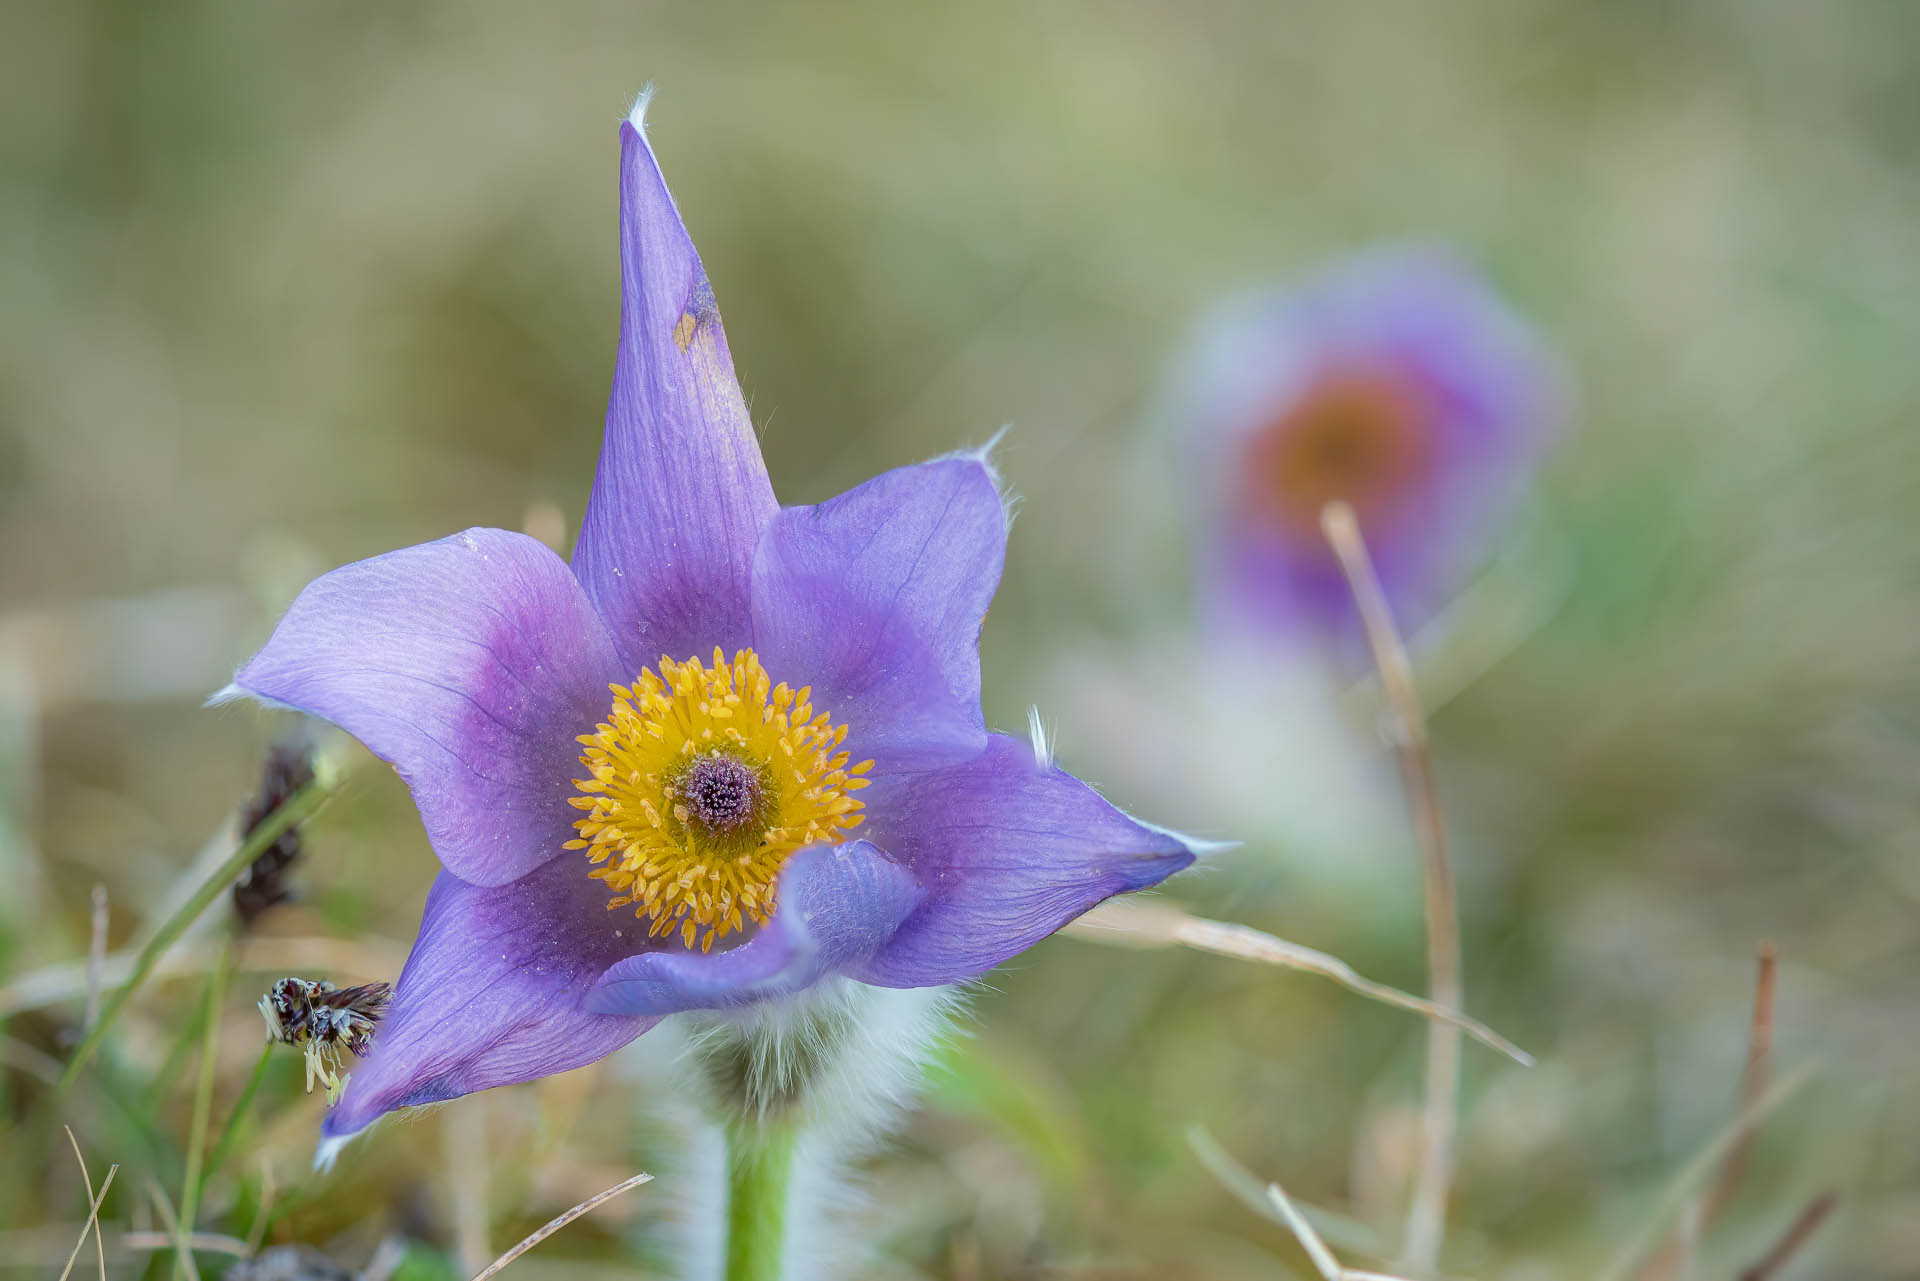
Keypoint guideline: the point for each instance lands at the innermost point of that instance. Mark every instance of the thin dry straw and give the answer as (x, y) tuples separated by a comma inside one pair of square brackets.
[(96, 957), (1158, 924), (1704, 1209), (1753, 1078), (93, 1211), (1792, 1239), (553, 1225), (211, 1242), (1700, 1168), (182, 1247), (67, 980), (1426, 1217), (1251, 1191), (464, 1149)]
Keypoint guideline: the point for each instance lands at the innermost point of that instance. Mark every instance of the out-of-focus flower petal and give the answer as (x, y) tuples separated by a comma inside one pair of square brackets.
[(681, 494), (875, 600), (836, 906), (1010, 849), (1396, 380), (493, 993), (469, 664)]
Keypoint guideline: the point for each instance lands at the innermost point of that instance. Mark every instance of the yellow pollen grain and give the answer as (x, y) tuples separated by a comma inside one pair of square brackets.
[(646, 843)]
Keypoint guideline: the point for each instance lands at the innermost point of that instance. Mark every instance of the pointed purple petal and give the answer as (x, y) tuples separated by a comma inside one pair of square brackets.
[(681, 493), (492, 993), (1010, 849), (469, 664), (836, 906), (875, 600)]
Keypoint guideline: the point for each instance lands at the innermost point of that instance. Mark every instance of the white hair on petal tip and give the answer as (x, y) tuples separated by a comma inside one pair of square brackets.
[(637, 117), (1037, 735), (983, 454), (1198, 846), (329, 1151), (228, 693)]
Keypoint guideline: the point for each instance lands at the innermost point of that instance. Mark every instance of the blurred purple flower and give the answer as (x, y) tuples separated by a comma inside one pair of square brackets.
[(780, 679), (1396, 381)]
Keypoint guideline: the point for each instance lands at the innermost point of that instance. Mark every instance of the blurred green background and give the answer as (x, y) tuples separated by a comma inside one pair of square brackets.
[(290, 284)]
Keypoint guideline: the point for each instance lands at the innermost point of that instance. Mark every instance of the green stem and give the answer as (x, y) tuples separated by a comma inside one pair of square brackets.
[(203, 1097), (230, 1132), (759, 1166), (192, 1031), (294, 809)]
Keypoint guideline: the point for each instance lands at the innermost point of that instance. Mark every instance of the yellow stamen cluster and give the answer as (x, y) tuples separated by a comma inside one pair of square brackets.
[(658, 847)]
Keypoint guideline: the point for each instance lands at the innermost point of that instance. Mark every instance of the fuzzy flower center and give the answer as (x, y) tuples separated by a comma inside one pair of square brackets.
[(1356, 435), (702, 781)]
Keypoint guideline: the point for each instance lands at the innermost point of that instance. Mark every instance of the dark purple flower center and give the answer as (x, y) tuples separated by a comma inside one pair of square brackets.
[(721, 793), (1359, 435)]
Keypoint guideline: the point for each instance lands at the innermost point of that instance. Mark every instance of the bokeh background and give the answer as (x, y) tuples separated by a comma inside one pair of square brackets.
[(290, 284)]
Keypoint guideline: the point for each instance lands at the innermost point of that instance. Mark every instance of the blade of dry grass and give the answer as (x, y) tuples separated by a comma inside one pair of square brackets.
[(66, 981), (1324, 1262), (553, 1225), (96, 957), (1426, 1217), (1151, 923), (182, 1247), (92, 1225), (1703, 1210), (1753, 1080), (1803, 1226), (93, 1213), (463, 1146), (1251, 1191), (1700, 1168), (30, 1059), (211, 1242)]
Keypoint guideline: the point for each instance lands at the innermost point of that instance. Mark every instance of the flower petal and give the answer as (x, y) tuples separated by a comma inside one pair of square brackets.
[(836, 906), (1480, 398), (469, 664), (492, 993), (1011, 849), (681, 494), (875, 600)]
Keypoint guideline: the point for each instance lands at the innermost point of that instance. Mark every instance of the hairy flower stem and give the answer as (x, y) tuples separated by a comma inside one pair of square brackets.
[(796, 1089), (759, 1169)]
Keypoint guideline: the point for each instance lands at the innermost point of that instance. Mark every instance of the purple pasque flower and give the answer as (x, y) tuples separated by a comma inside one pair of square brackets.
[(1396, 381), (732, 749)]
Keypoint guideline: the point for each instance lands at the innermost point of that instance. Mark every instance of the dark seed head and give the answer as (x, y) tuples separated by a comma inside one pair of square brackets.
[(289, 767), (723, 793)]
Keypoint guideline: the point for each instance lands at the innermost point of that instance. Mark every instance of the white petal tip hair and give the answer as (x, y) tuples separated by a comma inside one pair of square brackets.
[(1037, 735), (234, 692), (1199, 846), (329, 1151), (228, 693), (637, 117), (983, 454)]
